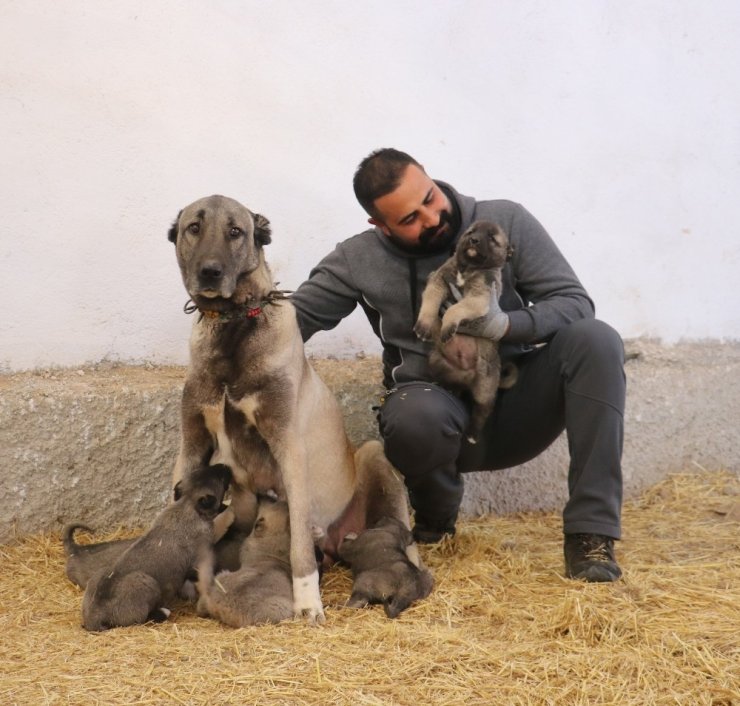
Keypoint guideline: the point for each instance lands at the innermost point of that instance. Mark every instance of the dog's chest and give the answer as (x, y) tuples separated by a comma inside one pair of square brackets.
[(239, 428)]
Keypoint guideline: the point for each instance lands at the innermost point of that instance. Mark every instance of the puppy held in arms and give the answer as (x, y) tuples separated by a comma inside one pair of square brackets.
[(468, 363)]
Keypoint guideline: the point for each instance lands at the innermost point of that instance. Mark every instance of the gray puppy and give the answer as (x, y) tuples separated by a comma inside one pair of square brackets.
[(84, 560), (151, 572), (469, 363), (382, 570), (261, 591)]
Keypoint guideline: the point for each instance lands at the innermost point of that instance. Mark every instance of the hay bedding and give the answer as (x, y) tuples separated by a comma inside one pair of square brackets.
[(502, 626)]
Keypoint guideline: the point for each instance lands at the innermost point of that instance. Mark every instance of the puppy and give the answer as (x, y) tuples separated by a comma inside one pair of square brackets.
[(261, 591), (149, 574), (469, 363), (84, 560), (382, 570)]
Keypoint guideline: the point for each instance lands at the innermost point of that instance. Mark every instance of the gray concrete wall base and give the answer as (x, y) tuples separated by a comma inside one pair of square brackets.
[(97, 445)]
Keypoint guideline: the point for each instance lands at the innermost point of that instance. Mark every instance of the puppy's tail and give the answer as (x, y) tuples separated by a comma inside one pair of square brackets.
[(70, 546)]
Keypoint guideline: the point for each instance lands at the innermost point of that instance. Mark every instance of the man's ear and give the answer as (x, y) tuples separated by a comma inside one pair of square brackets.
[(379, 224), (174, 228), (262, 231)]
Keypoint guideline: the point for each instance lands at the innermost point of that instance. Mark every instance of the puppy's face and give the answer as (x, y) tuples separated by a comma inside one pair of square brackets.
[(272, 519), (484, 245), (218, 241), (205, 488)]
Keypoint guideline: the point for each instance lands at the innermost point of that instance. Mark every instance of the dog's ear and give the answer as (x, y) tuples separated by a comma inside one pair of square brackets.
[(262, 232), (178, 490), (172, 232), (223, 473), (260, 527)]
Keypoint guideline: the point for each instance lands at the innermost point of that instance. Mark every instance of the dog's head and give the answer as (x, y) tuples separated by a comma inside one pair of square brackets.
[(219, 245), (205, 488), (482, 246)]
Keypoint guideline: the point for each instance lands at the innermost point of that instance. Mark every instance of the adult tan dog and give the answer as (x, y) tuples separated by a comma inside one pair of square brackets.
[(252, 401)]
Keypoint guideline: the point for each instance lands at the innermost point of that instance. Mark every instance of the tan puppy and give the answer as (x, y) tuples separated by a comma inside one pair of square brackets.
[(382, 571), (261, 591), (252, 400), (151, 572), (471, 363)]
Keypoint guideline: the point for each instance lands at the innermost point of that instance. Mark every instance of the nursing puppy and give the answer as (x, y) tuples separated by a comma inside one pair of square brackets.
[(84, 560), (252, 400), (381, 569), (151, 572), (261, 591), (475, 269)]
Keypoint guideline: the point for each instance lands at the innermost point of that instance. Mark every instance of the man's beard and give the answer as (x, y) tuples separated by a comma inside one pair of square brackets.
[(432, 240)]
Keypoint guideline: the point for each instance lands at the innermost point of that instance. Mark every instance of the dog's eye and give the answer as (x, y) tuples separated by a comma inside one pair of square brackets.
[(194, 228), (235, 233)]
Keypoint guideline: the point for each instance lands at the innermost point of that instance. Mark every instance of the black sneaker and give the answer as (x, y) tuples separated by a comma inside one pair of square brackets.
[(590, 557), (431, 535)]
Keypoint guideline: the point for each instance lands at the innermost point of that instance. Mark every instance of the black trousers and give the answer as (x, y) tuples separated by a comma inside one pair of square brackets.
[(576, 382)]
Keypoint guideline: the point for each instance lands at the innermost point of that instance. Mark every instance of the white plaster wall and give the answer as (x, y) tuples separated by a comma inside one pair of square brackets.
[(616, 123)]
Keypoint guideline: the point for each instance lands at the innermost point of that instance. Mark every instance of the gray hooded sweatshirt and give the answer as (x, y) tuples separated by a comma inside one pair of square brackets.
[(541, 293)]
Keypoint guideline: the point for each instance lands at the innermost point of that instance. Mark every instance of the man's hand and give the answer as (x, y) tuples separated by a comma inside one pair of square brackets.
[(494, 325)]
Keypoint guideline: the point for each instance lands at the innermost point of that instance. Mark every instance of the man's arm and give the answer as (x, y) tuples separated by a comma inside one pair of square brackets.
[(327, 296)]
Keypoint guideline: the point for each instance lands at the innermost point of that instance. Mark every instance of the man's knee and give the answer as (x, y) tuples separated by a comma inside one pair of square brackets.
[(595, 340), (592, 359), (421, 426)]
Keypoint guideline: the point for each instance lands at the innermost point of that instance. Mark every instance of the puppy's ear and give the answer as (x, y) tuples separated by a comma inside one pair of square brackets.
[(223, 472), (178, 490), (262, 232), (172, 232), (260, 527)]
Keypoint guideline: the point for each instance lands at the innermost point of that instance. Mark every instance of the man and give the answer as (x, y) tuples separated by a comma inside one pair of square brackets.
[(570, 366)]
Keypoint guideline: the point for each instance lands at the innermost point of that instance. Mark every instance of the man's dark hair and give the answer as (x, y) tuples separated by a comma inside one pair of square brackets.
[(379, 174)]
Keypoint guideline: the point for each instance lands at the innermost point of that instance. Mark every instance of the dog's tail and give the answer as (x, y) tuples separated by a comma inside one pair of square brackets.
[(68, 537)]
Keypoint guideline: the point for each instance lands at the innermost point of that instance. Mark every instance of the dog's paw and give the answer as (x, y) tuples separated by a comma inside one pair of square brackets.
[(188, 591), (423, 330), (307, 600), (357, 600), (448, 332), (160, 615)]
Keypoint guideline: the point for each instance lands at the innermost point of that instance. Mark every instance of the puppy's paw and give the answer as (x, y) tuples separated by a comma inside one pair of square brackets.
[(357, 600), (448, 332), (160, 615), (423, 329), (188, 591)]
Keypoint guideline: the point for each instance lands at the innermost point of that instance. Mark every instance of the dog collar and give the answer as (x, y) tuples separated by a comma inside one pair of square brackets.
[(241, 312)]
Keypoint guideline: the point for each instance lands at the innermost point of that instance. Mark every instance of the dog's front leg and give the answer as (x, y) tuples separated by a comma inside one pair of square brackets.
[(431, 300), (306, 596), (196, 442)]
